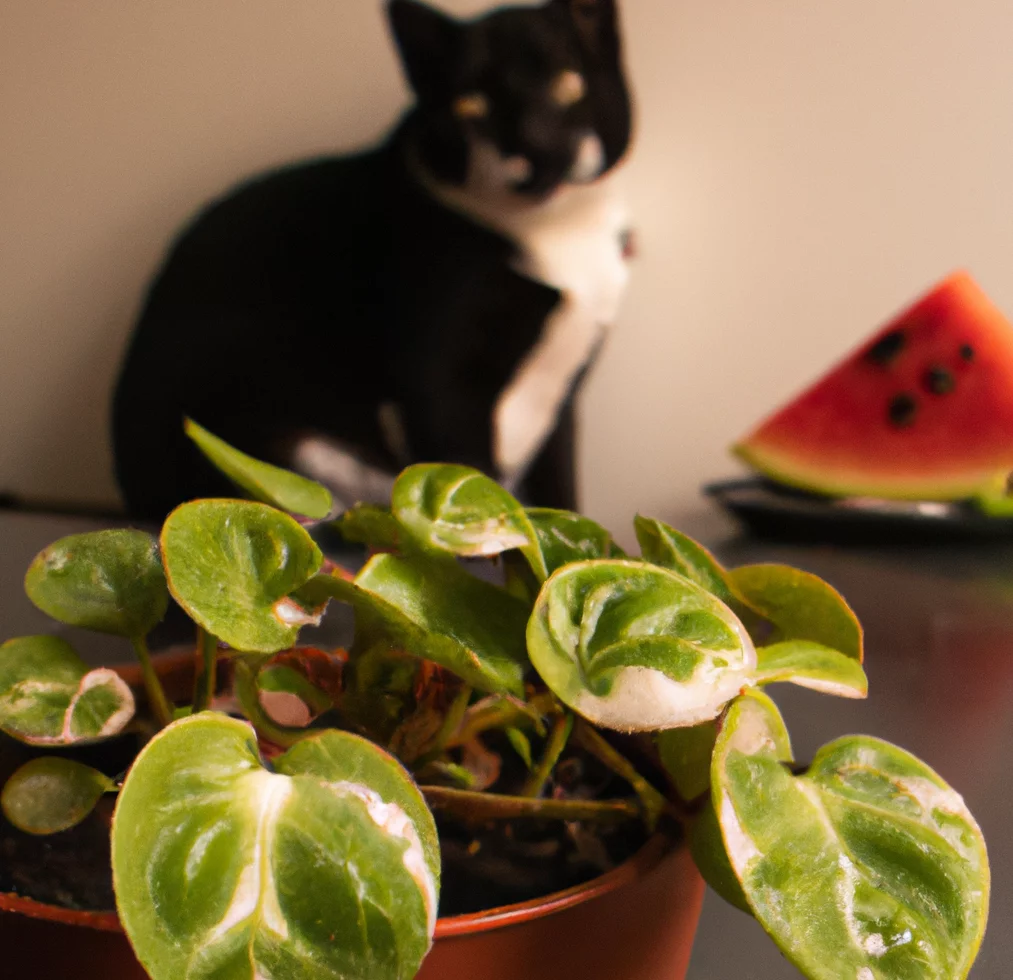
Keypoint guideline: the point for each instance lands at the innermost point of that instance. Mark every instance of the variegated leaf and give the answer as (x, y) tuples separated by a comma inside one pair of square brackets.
[(868, 866), (48, 696), (635, 647), (233, 565), (459, 510), (326, 866), (813, 666)]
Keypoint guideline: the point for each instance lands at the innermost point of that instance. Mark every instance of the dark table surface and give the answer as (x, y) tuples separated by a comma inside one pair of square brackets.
[(939, 628)]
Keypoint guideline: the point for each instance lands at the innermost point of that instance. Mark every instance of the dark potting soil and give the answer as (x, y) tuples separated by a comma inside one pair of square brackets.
[(500, 863), (482, 868), (69, 869), (504, 864), (485, 865)]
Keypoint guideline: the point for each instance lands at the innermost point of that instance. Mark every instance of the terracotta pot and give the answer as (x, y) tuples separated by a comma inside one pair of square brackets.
[(635, 923)]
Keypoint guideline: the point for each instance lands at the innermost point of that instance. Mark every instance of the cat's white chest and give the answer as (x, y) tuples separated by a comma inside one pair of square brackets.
[(575, 243)]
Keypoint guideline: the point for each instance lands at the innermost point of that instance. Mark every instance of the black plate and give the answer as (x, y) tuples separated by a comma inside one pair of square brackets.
[(772, 511)]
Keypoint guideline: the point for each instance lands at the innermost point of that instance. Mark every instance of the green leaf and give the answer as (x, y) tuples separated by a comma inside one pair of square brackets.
[(800, 606), (711, 859), (438, 612), (521, 745), (108, 581), (372, 526), (48, 696), (565, 537), (663, 545), (459, 510), (686, 755), (869, 866), (327, 867), (51, 794), (635, 647), (269, 484), (232, 566), (811, 665)]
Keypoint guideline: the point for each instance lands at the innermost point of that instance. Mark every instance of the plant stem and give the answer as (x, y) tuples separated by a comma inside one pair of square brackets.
[(500, 714), (558, 737), (451, 723), (249, 698), (491, 806), (652, 802), (160, 704), (207, 675)]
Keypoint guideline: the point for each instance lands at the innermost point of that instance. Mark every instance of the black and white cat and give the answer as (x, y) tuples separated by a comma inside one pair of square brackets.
[(436, 298)]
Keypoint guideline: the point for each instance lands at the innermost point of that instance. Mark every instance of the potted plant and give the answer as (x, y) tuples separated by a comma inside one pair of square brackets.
[(586, 709)]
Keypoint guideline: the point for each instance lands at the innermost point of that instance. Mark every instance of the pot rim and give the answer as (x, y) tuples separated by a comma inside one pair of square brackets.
[(638, 866)]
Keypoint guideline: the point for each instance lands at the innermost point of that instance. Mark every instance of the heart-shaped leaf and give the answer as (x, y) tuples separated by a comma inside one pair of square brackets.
[(459, 510), (326, 867), (686, 755), (50, 794), (635, 647), (564, 537), (437, 611), (811, 665), (800, 606), (868, 866), (269, 484), (109, 581), (48, 696), (233, 565), (663, 545)]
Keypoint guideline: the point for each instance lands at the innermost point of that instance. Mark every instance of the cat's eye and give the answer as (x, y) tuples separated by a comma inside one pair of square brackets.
[(568, 89), (475, 105)]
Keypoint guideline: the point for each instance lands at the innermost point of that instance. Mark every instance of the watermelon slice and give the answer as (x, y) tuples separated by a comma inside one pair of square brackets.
[(922, 411)]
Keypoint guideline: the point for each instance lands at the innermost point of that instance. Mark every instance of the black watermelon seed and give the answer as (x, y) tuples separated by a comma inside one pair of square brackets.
[(967, 352), (903, 409), (887, 348), (938, 381)]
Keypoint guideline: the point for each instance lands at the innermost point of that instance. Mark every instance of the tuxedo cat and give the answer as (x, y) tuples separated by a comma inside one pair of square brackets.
[(436, 298)]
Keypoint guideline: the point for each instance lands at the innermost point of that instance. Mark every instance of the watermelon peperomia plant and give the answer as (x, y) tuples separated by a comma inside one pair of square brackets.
[(243, 846)]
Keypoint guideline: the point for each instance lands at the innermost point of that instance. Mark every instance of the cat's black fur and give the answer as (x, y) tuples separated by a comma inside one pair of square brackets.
[(308, 298)]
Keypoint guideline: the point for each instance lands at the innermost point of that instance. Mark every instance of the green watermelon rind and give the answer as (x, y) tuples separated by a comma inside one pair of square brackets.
[(820, 480)]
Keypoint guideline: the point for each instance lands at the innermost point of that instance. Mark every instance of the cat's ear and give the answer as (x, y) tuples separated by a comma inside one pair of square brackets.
[(429, 42), (596, 23)]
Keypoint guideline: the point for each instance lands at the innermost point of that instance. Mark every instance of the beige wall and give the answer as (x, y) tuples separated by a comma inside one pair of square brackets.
[(803, 168)]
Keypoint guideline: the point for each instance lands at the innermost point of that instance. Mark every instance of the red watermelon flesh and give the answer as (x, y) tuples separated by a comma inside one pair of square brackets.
[(922, 411)]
